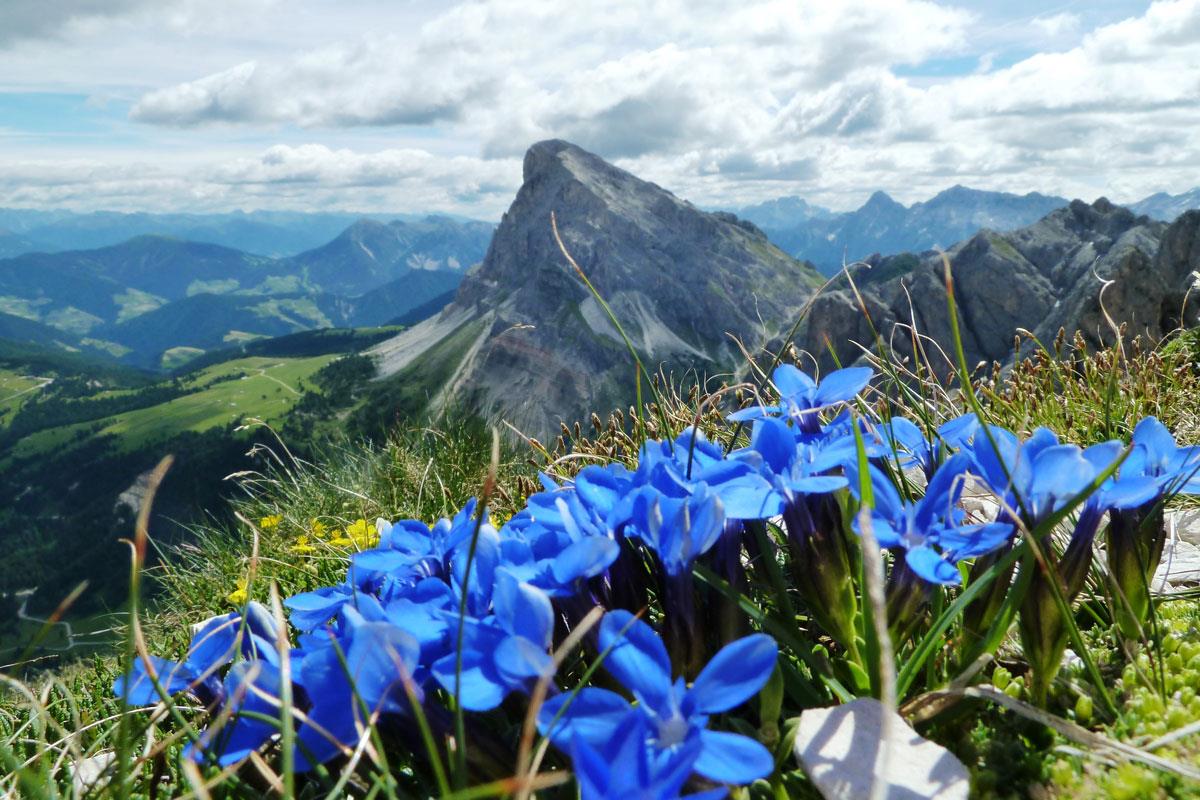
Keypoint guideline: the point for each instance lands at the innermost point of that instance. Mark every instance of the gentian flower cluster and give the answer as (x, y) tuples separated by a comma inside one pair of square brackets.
[(465, 614)]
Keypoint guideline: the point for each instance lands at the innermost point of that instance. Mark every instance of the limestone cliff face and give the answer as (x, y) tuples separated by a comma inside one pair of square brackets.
[(531, 345), (1044, 277)]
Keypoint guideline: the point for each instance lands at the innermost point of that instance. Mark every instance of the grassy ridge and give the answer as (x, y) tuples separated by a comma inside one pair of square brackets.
[(264, 388), (15, 387)]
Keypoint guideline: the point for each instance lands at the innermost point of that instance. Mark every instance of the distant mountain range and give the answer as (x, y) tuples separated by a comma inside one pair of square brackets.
[(1167, 207), (151, 295), (883, 226), (267, 233)]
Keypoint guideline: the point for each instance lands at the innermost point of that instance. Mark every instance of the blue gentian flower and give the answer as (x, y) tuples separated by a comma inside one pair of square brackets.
[(800, 397), (503, 653), (1155, 455), (907, 445), (311, 610), (678, 530), (801, 465), (367, 662), (1036, 477), (251, 691), (624, 767), (216, 642), (931, 531), (673, 712)]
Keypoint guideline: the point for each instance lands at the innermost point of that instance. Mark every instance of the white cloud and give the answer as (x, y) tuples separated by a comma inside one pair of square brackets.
[(653, 75), (307, 177), (723, 103), (37, 19), (1055, 25)]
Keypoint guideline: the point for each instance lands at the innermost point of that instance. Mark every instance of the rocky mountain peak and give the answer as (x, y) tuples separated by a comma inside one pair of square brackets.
[(881, 201), (542, 157), (536, 346)]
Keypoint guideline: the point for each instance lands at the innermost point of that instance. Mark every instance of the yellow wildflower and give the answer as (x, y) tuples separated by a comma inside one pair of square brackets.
[(359, 534), (267, 523), (239, 596), (318, 528), (363, 534), (302, 546)]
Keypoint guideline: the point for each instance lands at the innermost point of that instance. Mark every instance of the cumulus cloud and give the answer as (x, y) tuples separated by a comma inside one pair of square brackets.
[(37, 19), (723, 103), (637, 77), (305, 177), (370, 82)]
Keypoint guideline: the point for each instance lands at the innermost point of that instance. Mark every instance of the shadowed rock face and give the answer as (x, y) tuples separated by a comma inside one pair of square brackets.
[(679, 280), (1042, 278)]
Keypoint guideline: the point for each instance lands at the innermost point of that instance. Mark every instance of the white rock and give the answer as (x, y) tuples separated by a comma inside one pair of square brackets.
[(838, 746), (1180, 565), (92, 774), (1187, 525)]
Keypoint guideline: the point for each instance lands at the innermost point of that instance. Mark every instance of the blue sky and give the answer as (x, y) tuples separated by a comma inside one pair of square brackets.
[(421, 106)]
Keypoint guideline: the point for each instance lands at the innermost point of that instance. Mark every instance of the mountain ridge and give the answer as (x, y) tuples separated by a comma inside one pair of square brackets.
[(1054, 271), (152, 293)]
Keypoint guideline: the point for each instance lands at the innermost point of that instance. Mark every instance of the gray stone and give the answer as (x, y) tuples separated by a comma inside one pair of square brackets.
[(838, 747), (1187, 525), (94, 773), (1180, 566)]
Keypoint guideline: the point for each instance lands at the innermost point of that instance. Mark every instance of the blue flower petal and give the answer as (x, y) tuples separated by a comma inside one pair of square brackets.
[(481, 687), (312, 609), (775, 441), (734, 675), (585, 558), (752, 413), (732, 758), (523, 610), (591, 714), (842, 385), (931, 566), (139, 690), (380, 658), (519, 660), (794, 384), (749, 497), (638, 658), (214, 643)]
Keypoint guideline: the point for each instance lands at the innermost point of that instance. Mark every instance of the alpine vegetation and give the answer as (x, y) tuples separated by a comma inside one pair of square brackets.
[(647, 628)]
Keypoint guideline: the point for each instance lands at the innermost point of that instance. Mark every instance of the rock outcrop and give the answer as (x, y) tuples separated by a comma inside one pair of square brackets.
[(524, 340), (1041, 278)]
